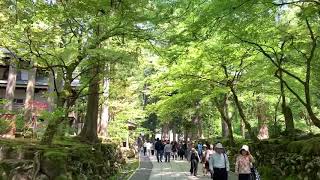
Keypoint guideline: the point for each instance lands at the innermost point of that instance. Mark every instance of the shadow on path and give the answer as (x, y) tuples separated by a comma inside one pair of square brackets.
[(144, 171)]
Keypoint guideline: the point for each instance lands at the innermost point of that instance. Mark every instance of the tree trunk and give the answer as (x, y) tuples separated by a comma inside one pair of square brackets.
[(89, 131), (165, 132), (11, 86), (53, 125), (179, 137), (242, 115), (50, 131), (51, 91), (144, 96), (286, 110), (307, 120), (262, 118), (308, 104), (55, 85), (186, 134), (30, 93), (224, 128), (222, 106), (174, 134), (242, 129), (200, 132), (58, 99), (104, 119), (288, 117)]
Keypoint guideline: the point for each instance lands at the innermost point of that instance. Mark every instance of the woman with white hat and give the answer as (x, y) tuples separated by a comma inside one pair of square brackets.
[(244, 163), (219, 163)]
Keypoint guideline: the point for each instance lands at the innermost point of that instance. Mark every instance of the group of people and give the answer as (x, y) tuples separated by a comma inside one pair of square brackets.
[(216, 163), (168, 150), (164, 149), (213, 157)]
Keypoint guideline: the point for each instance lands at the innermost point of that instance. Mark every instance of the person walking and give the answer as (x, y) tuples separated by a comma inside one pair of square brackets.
[(199, 148), (149, 145), (244, 163), (209, 152), (206, 155), (194, 160), (152, 147), (159, 148), (167, 151), (174, 150), (203, 159), (185, 149), (189, 150), (219, 163), (181, 151), (145, 148)]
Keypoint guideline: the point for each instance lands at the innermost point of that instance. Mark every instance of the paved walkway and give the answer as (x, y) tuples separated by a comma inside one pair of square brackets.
[(150, 169), (145, 169)]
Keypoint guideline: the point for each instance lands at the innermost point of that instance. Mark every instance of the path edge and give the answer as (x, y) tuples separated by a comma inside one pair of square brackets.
[(136, 168)]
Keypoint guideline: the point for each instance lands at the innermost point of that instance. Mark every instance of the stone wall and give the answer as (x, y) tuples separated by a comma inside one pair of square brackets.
[(73, 161), (285, 159)]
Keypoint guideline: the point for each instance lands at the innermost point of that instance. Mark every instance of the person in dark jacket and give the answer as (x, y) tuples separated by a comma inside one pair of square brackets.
[(159, 147), (194, 160), (181, 151)]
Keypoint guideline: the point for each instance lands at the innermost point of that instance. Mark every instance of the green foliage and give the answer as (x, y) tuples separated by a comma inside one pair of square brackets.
[(305, 147), (53, 116), (4, 126), (20, 122), (182, 56)]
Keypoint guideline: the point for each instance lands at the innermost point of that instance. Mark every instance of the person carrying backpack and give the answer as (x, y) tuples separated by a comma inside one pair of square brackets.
[(219, 163)]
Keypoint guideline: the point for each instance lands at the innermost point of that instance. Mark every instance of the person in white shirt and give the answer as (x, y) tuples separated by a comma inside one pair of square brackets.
[(149, 145), (152, 148), (219, 163), (145, 144), (167, 151)]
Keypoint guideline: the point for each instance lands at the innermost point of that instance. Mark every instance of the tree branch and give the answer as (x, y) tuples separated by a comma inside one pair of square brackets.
[(296, 2), (263, 51), (204, 78), (291, 90)]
